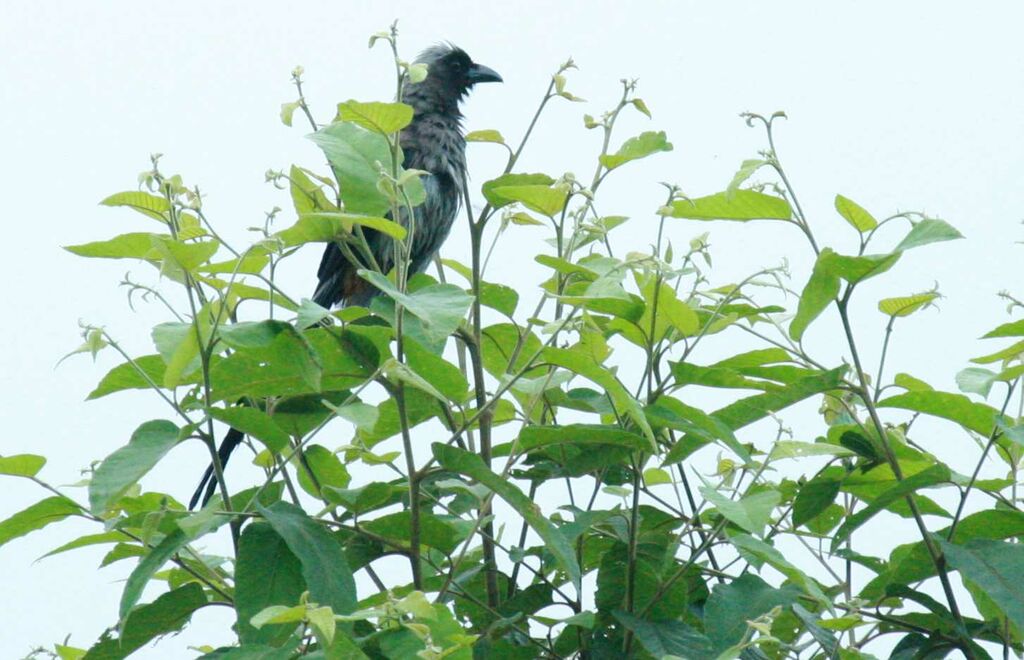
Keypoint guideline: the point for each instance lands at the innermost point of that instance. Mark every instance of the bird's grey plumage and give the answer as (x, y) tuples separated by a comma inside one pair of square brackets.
[(432, 142)]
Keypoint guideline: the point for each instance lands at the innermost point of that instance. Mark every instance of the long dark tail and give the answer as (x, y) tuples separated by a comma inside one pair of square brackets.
[(208, 484)]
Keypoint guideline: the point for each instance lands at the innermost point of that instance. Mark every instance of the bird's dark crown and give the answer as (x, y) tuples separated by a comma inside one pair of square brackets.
[(451, 73)]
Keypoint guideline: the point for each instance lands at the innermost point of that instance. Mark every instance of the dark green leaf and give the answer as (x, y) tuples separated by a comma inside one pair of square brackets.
[(820, 290), (932, 476), (995, 566), (324, 566), (266, 573), (471, 465), (813, 498), (146, 568), (534, 437), (662, 638), (255, 423), (744, 599)]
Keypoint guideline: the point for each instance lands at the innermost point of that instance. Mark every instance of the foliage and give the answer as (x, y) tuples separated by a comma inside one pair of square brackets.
[(395, 432)]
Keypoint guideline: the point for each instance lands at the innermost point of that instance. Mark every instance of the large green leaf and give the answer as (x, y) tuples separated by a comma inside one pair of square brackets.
[(497, 200), (255, 423), (996, 567), (169, 613), (327, 226), (439, 307), (751, 512), (123, 468), (667, 638), (37, 516), (741, 205), (584, 365), (746, 411), (376, 116), (471, 465), (641, 146), (146, 568), (813, 498), (149, 205), (972, 415), (579, 435), (127, 376), (126, 246), (266, 573), (932, 476), (324, 566), (22, 465), (354, 153), (540, 198), (821, 289), (744, 599)]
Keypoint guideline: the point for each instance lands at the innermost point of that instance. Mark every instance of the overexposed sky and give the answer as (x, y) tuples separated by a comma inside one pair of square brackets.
[(899, 106)]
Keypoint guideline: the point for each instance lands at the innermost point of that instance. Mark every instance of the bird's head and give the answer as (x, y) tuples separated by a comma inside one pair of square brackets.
[(451, 73)]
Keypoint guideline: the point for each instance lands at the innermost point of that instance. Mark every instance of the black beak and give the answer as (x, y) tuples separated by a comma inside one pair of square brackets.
[(478, 73)]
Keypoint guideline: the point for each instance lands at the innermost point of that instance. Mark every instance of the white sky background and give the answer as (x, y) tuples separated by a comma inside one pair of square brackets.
[(900, 106)]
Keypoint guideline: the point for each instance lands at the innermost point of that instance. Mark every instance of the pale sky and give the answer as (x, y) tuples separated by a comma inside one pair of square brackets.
[(899, 106)]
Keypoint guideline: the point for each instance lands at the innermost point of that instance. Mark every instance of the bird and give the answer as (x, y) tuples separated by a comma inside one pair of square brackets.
[(432, 142)]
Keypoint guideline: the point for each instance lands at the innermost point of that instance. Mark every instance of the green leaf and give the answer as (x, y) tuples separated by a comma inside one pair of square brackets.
[(22, 465), (255, 423), (354, 154), (746, 411), (932, 476), (859, 268), (977, 417), (266, 573), (1011, 329), (758, 552), (324, 566), (325, 466), (996, 567), (39, 515), (732, 605), (488, 135), (929, 230), (514, 180), (742, 205), (821, 289), (906, 305), (471, 465), (87, 540), (579, 363), (667, 638), (383, 118), (126, 246), (752, 512), (813, 498), (169, 613), (248, 264), (861, 220), (145, 203), (441, 374), (326, 226), (146, 568), (276, 342), (641, 146), (440, 307), (536, 437), (539, 198), (975, 380), (123, 468)]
